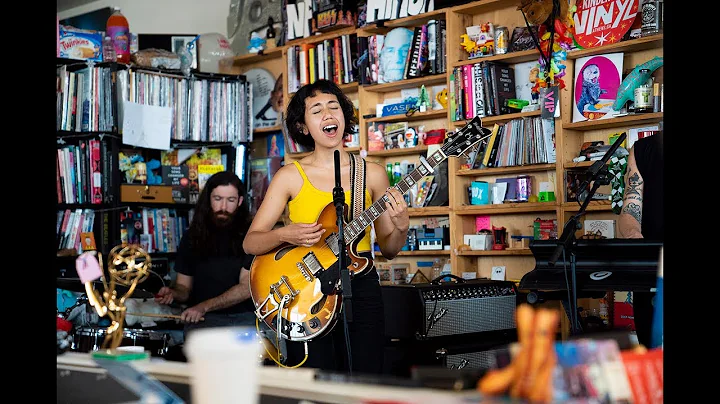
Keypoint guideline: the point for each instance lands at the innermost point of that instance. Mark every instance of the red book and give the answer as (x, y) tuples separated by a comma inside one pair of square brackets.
[(645, 373)]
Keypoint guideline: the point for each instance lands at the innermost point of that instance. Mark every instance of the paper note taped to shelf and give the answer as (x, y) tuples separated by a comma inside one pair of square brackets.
[(146, 125)]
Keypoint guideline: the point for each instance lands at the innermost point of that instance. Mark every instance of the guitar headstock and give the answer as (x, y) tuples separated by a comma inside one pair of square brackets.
[(459, 142)]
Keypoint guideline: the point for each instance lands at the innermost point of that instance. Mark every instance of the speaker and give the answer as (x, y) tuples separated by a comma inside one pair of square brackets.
[(481, 359), (426, 311)]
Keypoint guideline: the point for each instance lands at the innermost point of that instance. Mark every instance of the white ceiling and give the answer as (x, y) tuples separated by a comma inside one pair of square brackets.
[(63, 5)]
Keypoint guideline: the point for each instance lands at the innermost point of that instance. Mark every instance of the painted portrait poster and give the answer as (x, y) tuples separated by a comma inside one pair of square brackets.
[(597, 79), (394, 54)]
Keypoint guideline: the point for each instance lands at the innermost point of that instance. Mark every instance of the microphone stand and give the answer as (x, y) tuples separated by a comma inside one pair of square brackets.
[(567, 243), (339, 202)]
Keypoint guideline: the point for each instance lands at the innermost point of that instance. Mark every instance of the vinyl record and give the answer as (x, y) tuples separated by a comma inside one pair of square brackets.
[(263, 83)]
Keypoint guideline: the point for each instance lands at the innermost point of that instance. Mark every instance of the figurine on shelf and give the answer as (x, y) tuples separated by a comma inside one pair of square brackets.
[(270, 34), (257, 44), (423, 100)]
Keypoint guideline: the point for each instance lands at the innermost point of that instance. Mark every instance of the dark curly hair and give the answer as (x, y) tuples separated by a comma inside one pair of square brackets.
[(202, 233), (296, 110)]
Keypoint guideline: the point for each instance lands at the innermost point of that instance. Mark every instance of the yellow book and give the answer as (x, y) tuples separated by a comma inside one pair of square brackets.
[(205, 171), (311, 64), (491, 142)]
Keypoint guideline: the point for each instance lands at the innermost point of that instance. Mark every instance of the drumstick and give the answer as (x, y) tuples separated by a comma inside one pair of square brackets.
[(158, 315)]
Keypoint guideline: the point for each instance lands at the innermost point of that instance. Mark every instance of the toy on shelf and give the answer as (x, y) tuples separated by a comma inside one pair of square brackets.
[(423, 101), (639, 75), (555, 27), (479, 40), (257, 44)]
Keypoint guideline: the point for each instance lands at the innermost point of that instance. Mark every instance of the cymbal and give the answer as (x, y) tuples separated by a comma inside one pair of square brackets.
[(75, 285)]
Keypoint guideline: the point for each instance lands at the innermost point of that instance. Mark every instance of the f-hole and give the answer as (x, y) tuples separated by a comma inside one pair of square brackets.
[(317, 306)]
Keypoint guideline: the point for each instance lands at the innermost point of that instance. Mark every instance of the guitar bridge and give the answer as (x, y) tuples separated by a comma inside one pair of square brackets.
[(304, 271)]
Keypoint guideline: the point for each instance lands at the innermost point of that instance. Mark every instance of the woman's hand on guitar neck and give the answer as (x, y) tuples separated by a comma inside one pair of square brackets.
[(398, 210), (303, 234)]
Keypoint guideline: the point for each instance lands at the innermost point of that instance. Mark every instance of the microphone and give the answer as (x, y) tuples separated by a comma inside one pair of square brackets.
[(338, 194), (597, 166)]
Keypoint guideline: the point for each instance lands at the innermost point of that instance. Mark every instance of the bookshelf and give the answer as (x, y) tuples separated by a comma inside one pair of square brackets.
[(92, 153), (516, 217)]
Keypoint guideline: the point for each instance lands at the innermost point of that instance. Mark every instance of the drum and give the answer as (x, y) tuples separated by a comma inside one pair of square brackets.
[(87, 339)]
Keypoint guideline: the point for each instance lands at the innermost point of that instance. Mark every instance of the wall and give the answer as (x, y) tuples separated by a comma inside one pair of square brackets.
[(165, 16)]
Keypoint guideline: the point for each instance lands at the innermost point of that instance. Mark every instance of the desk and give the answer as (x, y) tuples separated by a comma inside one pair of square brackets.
[(277, 385)]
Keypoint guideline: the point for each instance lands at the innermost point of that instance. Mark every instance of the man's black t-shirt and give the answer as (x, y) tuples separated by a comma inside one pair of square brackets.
[(213, 275), (649, 159)]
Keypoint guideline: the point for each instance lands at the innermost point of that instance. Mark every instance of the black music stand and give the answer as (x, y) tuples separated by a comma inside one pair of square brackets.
[(568, 242), (599, 175)]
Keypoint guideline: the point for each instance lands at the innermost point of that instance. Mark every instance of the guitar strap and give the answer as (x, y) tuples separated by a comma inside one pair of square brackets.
[(357, 182)]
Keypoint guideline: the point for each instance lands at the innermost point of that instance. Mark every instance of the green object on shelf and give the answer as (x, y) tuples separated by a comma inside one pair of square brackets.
[(517, 103), (546, 196), (118, 355)]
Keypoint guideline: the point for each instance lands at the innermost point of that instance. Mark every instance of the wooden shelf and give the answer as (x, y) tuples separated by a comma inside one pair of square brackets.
[(509, 58), (269, 129), (593, 206), (409, 83), (409, 21), (321, 37), (418, 116), (632, 119), (633, 45), (429, 211), (267, 54), (346, 88), (417, 253), (507, 170), (506, 252), (582, 164), (397, 152), (483, 6), (512, 208), (500, 118)]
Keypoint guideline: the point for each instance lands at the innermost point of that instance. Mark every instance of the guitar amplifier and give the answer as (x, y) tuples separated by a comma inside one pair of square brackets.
[(425, 311)]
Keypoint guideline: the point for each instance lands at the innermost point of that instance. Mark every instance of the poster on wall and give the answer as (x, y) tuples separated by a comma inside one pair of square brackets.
[(597, 79), (600, 23), (267, 97), (248, 16)]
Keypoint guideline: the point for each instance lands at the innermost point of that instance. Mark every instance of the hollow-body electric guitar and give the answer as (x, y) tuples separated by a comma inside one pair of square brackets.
[(284, 282)]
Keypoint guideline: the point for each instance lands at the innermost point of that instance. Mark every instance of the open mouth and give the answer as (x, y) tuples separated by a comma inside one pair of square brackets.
[(330, 130)]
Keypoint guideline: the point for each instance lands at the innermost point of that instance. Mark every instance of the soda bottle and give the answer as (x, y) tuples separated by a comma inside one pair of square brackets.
[(389, 170), (119, 31)]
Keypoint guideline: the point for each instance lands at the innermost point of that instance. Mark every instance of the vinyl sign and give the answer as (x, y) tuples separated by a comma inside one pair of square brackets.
[(603, 22)]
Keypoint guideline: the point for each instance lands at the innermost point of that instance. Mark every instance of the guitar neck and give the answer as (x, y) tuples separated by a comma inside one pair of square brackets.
[(360, 223), (455, 145)]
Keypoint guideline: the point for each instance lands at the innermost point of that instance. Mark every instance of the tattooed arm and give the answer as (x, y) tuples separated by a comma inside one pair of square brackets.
[(630, 220)]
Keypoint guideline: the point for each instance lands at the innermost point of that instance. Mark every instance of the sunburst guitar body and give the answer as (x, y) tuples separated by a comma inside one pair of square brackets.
[(284, 282), (292, 270)]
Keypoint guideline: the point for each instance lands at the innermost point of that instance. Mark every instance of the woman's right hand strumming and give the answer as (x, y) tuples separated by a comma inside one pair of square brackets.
[(302, 234)]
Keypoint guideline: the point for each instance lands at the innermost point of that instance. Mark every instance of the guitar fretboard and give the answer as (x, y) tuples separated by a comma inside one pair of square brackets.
[(457, 144), (358, 224)]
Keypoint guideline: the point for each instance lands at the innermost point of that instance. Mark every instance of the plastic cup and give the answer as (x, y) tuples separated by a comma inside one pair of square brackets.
[(224, 365)]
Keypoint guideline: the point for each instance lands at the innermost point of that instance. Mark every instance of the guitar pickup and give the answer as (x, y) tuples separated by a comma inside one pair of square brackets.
[(311, 263)]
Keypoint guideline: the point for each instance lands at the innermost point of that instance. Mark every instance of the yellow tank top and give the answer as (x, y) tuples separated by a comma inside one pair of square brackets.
[(310, 201)]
